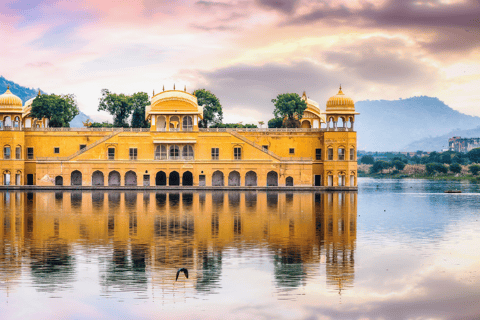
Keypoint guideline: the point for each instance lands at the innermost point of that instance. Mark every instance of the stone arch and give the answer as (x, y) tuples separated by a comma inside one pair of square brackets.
[(316, 123), (7, 152), (218, 179), (272, 179), (187, 179), (187, 152), (341, 123), (160, 179), (114, 178), (306, 124), (130, 178), (251, 179), (174, 152), (59, 181), (187, 123), (174, 179), (7, 121), (174, 124), (28, 123), (289, 181), (161, 152), (16, 122), (234, 179), (76, 178), (331, 123), (98, 179), (161, 123), (6, 178)]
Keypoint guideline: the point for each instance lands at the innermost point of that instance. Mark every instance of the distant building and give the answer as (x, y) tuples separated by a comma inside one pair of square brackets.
[(459, 144)]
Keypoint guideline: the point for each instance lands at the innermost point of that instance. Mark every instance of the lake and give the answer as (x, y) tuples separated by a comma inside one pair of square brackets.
[(397, 249)]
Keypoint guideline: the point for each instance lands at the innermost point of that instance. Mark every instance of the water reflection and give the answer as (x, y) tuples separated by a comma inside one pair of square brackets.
[(140, 238)]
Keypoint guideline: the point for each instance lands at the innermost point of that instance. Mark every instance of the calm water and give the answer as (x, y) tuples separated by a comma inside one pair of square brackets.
[(396, 250)]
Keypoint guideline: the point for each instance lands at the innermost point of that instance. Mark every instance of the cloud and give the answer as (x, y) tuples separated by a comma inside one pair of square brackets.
[(210, 4), (40, 64), (285, 6)]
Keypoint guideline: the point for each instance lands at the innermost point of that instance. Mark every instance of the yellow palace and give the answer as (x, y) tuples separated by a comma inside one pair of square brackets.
[(174, 151)]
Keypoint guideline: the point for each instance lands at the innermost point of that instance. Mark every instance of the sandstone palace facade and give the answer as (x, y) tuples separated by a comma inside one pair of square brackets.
[(174, 151)]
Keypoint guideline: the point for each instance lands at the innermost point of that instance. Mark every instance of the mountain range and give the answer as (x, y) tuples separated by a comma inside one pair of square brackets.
[(417, 123)]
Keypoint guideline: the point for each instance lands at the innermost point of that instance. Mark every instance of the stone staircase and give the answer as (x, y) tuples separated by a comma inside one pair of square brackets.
[(93, 145), (255, 145)]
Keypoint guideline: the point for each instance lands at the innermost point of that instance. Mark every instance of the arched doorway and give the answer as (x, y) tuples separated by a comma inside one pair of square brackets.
[(234, 179), (174, 123), (76, 178), (59, 181), (251, 179), (289, 182), (272, 179), (130, 178), (161, 123), (187, 179), (174, 179), (217, 179), (161, 179), (306, 124), (98, 179), (114, 178)]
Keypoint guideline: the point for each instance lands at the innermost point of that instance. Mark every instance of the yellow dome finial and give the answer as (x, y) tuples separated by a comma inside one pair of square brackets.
[(163, 89), (174, 86), (8, 87), (39, 93), (340, 90), (185, 88), (153, 92)]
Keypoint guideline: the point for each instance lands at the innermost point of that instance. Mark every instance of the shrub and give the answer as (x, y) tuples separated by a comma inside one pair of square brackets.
[(398, 164), (379, 165), (440, 168), (455, 168), (474, 169), (367, 160), (430, 168)]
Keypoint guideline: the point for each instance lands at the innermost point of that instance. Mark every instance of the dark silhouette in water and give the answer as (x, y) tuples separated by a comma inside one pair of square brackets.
[(184, 270)]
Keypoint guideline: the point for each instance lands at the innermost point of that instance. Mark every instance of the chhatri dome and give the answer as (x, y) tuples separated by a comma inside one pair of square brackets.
[(340, 103), (9, 100)]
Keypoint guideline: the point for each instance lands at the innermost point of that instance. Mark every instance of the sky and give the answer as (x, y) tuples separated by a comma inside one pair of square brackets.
[(246, 52)]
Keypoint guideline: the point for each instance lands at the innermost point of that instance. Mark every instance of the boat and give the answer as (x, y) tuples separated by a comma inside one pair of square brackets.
[(453, 191)]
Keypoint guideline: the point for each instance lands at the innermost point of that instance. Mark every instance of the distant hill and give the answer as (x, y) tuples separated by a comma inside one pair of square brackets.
[(28, 93), (441, 142), (385, 125), (22, 92)]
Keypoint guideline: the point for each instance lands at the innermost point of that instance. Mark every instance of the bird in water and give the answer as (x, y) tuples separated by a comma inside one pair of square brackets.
[(184, 270)]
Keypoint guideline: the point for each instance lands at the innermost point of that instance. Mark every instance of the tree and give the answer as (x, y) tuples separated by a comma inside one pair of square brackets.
[(430, 168), (398, 164), (275, 123), (379, 165), (212, 109), (58, 109), (474, 155), (139, 101), (289, 106), (474, 169), (101, 125), (261, 123), (455, 168), (441, 168), (367, 160), (118, 105)]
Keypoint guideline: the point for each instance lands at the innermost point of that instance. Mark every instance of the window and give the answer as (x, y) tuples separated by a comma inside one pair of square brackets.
[(187, 123), (265, 147), (187, 152), (18, 153), (111, 153), (330, 154), (174, 152), (30, 153), (6, 153), (318, 154), (83, 146), (341, 153), (237, 153), (133, 153), (352, 154), (215, 153), (291, 151), (56, 150)]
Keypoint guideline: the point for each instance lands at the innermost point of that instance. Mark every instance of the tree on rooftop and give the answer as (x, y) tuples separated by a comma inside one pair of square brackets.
[(139, 102), (275, 123), (212, 109), (118, 105), (58, 109), (289, 106)]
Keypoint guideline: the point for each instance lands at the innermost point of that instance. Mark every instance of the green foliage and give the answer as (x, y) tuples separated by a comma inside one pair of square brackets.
[(367, 160), (233, 125), (474, 155), (58, 109), (455, 168), (436, 167), (291, 106), (474, 168), (430, 168), (212, 109), (101, 125), (398, 164), (118, 105), (139, 101), (275, 123), (121, 106), (379, 165)]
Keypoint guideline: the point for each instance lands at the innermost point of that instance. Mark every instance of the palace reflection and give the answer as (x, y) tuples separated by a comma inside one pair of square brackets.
[(141, 238)]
